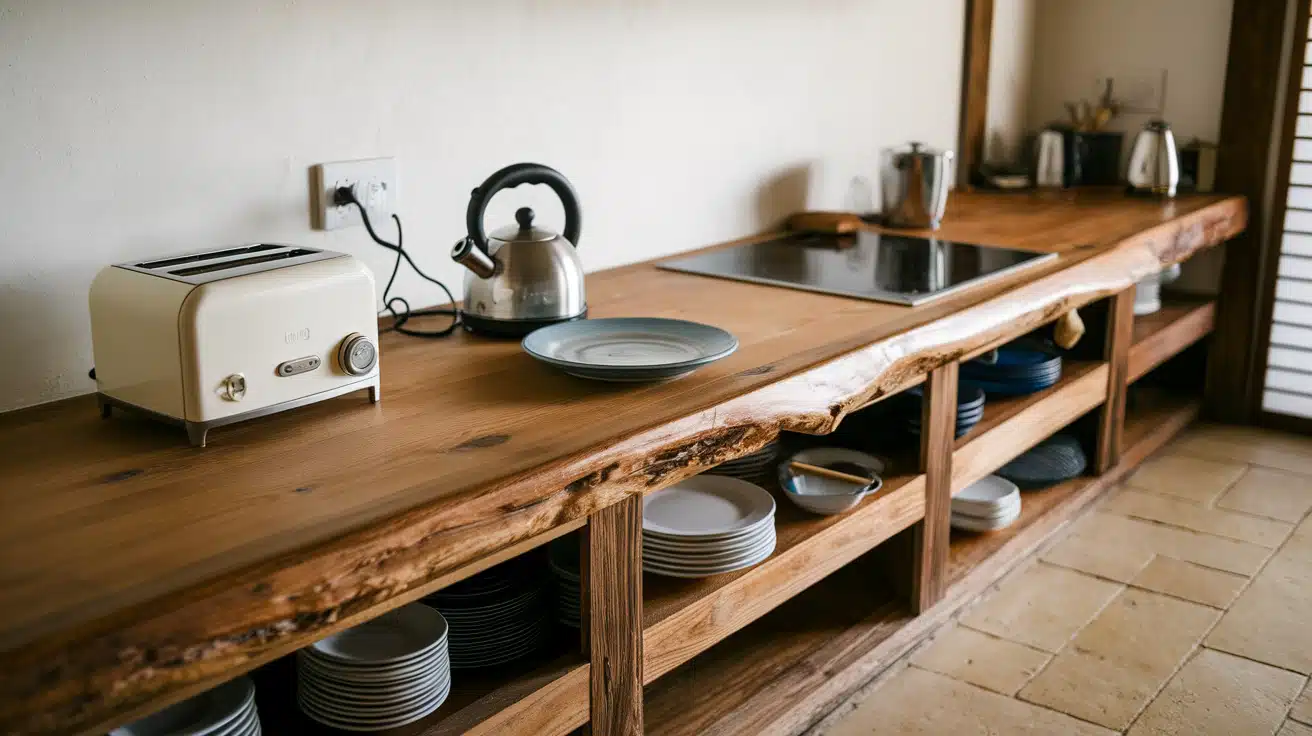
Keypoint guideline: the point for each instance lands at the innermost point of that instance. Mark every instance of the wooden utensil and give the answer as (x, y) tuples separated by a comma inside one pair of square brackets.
[(810, 469), (1068, 330), (824, 223)]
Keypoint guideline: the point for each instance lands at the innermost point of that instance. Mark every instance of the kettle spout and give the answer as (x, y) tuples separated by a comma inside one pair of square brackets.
[(474, 258)]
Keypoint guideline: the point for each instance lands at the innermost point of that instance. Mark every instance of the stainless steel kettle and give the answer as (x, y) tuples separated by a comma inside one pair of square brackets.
[(915, 186), (1154, 168), (523, 276)]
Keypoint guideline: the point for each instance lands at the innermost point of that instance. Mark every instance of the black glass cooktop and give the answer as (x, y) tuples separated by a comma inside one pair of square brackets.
[(874, 266)]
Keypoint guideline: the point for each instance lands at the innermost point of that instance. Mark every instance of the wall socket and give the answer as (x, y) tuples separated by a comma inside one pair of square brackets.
[(375, 185)]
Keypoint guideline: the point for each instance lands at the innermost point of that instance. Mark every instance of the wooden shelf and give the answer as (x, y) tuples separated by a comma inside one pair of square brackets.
[(1015, 424), (1181, 322), (683, 618), (1150, 422), (784, 672), (544, 694)]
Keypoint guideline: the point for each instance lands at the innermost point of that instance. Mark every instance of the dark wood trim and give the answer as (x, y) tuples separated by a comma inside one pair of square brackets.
[(1301, 11), (938, 418), (1285, 422), (1116, 350), (974, 89), (613, 579), (1254, 118)]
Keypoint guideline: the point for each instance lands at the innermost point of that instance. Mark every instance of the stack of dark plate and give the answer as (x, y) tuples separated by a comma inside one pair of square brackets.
[(1020, 368), (498, 615), (753, 467), (568, 599), (1055, 460), (970, 409)]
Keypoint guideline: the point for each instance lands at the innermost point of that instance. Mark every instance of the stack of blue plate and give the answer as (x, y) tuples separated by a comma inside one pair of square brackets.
[(1058, 458), (1018, 370), (970, 409)]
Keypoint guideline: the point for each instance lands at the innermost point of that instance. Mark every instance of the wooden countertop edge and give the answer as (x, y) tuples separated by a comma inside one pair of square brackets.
[(79, 677)]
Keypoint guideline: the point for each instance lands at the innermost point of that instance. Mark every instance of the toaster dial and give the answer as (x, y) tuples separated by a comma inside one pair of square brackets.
[(234, 387), (357, 355)]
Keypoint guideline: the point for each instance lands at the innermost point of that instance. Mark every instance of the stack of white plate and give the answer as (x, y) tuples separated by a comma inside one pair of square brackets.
[(498, 615), (986, 505), (751, 467), (564, 558), (706, 525), (227, 710), (384, 673)]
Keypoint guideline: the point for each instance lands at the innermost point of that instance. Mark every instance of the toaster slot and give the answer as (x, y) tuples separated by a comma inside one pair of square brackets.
[(226, 265), (211, 255)]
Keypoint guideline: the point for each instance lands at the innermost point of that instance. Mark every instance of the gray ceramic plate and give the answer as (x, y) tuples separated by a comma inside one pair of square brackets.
[(629, 348)]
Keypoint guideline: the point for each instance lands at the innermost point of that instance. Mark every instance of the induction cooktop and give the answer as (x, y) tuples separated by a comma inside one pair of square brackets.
[(873, 266)]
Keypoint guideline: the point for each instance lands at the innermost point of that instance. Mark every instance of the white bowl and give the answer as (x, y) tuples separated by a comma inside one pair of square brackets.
[(827, 496)]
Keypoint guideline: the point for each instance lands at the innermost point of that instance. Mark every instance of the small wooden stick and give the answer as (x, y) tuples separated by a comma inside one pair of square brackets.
[(827, 473)]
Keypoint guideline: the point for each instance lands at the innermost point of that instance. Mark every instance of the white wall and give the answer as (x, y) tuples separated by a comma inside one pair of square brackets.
[(1011, 56), (1078, 41), (136, 128)]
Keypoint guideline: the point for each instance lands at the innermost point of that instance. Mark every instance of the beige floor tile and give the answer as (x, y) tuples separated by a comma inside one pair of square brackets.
[(1042, 606), (1294, 728), (1272, 620), (1302, 710), (1241, 527), (1119, 548), (1189, 581), (1272, 493), (1247, 444), (1215, 693), (1122, 658), (916, 701), (1183, 476), (967, 655)]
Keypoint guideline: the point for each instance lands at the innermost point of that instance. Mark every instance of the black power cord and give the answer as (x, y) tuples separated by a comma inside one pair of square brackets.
[(400, 316)]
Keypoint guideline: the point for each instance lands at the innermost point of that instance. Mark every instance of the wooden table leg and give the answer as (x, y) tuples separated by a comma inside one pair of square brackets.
[(1111, 418), (612, 577), (938, 423)]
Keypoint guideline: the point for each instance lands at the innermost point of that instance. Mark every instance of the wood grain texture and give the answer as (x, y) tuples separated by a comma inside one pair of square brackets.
[(1023, 421), (612, 575), (1116, 352), (783, 674), (139, 570), (1256, 119), (938, 417), (1180, 323), (683, 618), (974, 89)]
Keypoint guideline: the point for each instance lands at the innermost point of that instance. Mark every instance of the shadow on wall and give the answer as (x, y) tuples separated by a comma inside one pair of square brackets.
[(35, 342), (793, 189)]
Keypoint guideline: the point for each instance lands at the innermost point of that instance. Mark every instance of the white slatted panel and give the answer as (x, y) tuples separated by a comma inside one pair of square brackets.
[(1289, 381), (1300, 197), (1292, 313), (1288, 388), (1292, 358)]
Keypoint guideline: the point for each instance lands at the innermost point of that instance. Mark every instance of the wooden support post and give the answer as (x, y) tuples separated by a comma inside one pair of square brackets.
[(612, 577), (1111, 418), (938, 420)]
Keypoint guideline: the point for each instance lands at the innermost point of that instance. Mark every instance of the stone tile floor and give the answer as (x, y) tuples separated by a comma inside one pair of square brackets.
[(1181, 604)]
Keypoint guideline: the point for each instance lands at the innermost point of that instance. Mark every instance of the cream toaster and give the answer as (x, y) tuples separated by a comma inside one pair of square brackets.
[(212, 338)]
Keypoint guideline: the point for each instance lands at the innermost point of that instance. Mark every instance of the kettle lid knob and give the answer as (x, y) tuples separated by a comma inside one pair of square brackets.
[(524, 216)]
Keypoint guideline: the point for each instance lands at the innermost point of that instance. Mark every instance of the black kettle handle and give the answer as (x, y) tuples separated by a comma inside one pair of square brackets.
[(512, 176)]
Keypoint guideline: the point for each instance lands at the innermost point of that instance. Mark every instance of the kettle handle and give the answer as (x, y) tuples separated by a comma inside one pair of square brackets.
[(512, 176)]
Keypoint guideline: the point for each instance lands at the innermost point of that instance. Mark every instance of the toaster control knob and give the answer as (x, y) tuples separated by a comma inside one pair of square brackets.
[(357, 355), (234, 387)]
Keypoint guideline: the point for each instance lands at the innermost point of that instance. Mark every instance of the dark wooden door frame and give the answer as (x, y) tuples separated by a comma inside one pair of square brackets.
[(1257, 126), (974, 89)]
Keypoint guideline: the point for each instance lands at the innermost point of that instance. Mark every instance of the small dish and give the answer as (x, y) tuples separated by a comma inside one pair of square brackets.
[(827, 496)]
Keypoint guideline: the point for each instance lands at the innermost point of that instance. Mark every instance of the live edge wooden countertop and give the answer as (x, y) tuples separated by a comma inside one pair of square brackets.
[(133, 566)]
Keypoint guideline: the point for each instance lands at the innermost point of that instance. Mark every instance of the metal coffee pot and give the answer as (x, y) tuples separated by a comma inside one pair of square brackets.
[(915, 183), (1154, 162)]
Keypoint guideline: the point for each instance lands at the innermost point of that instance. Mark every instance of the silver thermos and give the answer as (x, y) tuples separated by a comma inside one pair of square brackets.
[(1154, 168), (1050, 160), (915, 185)]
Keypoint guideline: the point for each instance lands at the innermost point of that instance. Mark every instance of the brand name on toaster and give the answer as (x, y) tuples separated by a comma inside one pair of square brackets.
[(295, 336)]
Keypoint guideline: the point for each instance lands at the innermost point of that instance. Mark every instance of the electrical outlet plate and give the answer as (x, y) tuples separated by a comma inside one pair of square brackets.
[(376, 187)]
